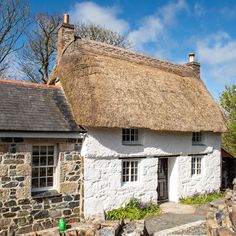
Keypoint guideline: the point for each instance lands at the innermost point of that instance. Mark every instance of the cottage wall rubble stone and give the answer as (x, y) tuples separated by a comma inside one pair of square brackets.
[(20, 211)]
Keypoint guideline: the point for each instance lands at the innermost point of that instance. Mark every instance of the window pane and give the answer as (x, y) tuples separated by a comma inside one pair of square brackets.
[(35, 150), (50, 171), (42, 172), (43, 150), (35, 172), (49, 182), (35, 161), (50, 160), (42, 182), (43, 161), (34, 183), (50, 150)]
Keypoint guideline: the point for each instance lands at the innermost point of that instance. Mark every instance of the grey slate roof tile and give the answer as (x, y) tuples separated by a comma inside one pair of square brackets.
[(28, 107)]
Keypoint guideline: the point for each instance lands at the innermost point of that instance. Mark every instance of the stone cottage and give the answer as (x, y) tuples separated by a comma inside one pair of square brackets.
[(111, 124)]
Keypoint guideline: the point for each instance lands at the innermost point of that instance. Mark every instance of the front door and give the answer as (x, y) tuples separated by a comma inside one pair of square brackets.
[(162, 188)]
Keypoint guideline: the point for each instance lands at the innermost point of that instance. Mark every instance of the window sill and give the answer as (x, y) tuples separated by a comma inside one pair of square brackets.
[(45, 194), (196, 176), (198, 144), (132, 144)]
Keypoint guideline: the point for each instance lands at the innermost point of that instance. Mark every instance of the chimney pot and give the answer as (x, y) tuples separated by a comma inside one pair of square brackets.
[(191, 57), (66, 19)]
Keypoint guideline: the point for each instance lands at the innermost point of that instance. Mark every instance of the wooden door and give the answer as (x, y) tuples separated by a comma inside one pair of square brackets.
[(162, 188)]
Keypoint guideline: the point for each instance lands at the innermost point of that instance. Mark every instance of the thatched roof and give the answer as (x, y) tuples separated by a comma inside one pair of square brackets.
[(112, 87)]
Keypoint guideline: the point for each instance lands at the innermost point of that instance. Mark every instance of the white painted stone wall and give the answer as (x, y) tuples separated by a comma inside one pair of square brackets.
[(104, 190), (102, 148), (208, 181)]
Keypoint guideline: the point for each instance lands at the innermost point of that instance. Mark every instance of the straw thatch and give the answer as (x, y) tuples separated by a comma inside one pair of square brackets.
[(112, 87)]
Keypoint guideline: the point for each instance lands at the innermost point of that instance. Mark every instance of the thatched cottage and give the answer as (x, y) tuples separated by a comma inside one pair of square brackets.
[(153, 129), (111, 124)]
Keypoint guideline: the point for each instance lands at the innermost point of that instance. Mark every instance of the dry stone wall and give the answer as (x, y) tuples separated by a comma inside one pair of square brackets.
[(20, 212), (221, 217)]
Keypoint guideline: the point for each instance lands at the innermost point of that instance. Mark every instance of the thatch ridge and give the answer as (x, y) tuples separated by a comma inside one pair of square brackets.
[(112, 87), (125, 54)]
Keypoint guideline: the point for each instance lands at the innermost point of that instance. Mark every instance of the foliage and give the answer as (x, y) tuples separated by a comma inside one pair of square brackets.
[(14, 19), (134, 210), (38, 55), (228, 102), (201, 198), (99, 33)]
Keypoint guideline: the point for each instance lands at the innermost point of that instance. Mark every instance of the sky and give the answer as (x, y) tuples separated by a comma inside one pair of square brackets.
[(167, 29)]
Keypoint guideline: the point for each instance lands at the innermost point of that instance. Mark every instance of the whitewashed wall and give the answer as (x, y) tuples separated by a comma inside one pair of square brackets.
[(105, 142), (103, 189), (102, 148)]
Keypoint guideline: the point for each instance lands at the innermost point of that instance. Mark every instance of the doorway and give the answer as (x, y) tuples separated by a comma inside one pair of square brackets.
[(162, 188)]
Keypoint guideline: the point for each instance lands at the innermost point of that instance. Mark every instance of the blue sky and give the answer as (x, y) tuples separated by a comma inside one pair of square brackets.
[(167, 29)]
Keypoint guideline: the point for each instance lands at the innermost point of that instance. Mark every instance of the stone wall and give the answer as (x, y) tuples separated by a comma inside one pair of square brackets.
[(20, 212), (221, 216)]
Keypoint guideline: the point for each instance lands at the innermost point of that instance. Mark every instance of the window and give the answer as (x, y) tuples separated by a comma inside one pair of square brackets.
[(43, 167), (129, 171), (196, 165), (130, 136), (197, 138)]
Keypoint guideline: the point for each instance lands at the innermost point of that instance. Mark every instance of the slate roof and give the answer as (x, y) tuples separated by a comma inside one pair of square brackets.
[(32, 107)]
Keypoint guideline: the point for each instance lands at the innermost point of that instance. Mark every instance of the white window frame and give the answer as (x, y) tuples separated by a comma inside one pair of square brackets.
[(129, 175), (129, 134), (197, 138), (40, 189), (196, 165)]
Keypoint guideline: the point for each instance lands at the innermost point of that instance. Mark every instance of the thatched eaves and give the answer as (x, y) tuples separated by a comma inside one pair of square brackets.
[(112, 87)]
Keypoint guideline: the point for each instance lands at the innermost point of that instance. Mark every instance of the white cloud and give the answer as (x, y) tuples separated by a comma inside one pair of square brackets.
[(168, 12), (105, 16), (153, 27), (147, 32), (218, 49), (218, 52)]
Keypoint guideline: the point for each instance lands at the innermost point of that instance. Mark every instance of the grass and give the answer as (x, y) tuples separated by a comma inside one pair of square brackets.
[(202, 198), (134, 210)]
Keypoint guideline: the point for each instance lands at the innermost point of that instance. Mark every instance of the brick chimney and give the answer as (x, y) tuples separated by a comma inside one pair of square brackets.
[(66, 34), (193, 64)]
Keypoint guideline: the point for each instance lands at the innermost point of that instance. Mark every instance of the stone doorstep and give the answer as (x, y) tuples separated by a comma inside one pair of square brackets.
[(178, 228)]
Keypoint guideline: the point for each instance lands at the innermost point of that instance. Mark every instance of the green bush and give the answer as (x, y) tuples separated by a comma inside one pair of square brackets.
[(202, 198), (134, 210)]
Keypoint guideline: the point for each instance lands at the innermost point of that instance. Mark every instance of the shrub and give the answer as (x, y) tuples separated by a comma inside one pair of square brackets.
[(201, 198), (134, 210)]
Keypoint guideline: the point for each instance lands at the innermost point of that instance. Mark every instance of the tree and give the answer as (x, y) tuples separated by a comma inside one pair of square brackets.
[(99, 33), (228, 102), (14, 18), (38, 56)]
